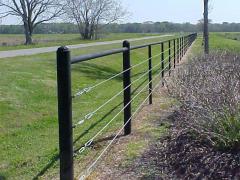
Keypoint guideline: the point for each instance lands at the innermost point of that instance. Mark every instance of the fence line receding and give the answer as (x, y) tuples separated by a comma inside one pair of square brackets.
[(175, 50)]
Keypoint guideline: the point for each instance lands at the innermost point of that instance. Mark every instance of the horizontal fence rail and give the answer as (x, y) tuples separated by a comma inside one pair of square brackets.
[(175, 50)]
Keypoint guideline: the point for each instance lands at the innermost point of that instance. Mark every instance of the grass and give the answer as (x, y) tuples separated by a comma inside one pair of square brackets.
[(222, 42), (234, 36), (16, 41), (28, 102), (218, 42)]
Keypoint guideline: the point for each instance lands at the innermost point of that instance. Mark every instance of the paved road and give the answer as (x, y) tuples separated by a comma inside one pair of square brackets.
[(33, 51)]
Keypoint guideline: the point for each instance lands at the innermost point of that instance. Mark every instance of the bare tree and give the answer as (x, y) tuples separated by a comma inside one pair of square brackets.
[(31, 12), (90, 14), (205, 29)]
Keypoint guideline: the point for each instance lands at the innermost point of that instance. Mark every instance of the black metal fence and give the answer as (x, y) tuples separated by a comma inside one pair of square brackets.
[(176, 49)]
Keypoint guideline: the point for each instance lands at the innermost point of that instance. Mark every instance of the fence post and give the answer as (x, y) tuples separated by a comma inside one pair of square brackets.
[(174, 53), (65, 113), (186, 44), (169, 57), (162, 61), (150, 72), (127, 88), (180, 49), (177, 50)]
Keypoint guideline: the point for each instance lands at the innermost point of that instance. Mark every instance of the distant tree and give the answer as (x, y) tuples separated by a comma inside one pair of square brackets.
[(205, 28), (91, 14), (31, 12)]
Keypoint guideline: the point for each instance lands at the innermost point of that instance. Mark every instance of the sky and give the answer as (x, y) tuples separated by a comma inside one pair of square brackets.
[(182, 10), (174, 11)]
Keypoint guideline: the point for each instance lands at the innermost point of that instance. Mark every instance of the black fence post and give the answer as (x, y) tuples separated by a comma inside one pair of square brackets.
[(174, 53), (182, 47), (169, 57), (178, 50), (186, 47), (65, 113), (150, 72), (127, 88), (162, 61)]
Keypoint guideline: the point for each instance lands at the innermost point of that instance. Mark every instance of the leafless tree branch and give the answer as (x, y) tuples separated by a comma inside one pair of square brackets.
[(90, 14), (31, 12)]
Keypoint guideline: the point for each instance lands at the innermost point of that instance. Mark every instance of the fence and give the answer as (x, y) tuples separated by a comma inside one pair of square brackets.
[(179, 47)]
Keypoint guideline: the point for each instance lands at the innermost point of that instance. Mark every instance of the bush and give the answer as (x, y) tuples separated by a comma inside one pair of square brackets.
[(209, 89)]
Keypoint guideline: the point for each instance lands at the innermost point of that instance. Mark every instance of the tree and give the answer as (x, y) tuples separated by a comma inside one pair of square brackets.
[(205, 29), (31, 12), (90, 14)]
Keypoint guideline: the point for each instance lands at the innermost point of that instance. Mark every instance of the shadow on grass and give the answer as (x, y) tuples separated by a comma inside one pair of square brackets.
[(95, 71), (2, 177)]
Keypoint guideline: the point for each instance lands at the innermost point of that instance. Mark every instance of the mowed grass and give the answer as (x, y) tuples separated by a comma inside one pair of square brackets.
[(16, 41), (231, 35), (28, 103), (223, 42), (218, 42)]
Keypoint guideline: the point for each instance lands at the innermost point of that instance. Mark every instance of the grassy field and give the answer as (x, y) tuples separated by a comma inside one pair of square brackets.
[(219, 42), (225, 41), (234, 36), (16, 41), (28, 103)]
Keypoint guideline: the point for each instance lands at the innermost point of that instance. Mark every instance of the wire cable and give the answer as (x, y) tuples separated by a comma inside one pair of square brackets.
[(88, 143), (88, 171), (91, 114), (88, 89)]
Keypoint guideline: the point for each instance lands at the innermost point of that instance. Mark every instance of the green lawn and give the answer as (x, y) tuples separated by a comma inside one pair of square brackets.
[(28, 103), (218, 42), (225, 41), (16, 41)]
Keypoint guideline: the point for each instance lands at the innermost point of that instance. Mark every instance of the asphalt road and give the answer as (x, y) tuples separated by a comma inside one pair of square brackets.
[(34, 51)]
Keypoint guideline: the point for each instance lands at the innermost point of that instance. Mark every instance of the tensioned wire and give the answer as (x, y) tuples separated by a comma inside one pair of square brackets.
[(88, 143), (91, 114), (88, 89)]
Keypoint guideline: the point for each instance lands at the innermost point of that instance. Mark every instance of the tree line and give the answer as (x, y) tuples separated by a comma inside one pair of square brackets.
[(89, 18), (88, 15), (147, 27)]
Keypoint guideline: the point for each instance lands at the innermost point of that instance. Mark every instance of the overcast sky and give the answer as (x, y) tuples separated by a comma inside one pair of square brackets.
[(175, 11)]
